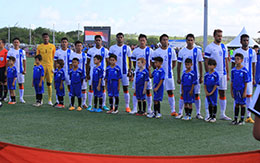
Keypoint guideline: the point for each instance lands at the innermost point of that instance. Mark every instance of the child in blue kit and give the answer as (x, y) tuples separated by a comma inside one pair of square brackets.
[(239, 80), (141, 81), (97, 78), (158, 76), (188, 81), (76, 77), (112, 80), (11, 79), (59, 78), (38, 80), (211, 82)]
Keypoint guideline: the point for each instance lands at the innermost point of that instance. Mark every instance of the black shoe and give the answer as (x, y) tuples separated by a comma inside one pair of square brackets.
[(55, 104)]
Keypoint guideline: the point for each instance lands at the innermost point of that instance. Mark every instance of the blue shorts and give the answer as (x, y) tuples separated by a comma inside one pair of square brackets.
[(10, 84), (112, 88), (213, 99), (139, 93), (186, 96), (75, 90), (38, 90), (59, 92), (96, 92), (158, 96), (238, 96)]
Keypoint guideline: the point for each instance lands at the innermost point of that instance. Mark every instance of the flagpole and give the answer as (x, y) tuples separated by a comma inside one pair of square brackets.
[(53, 35), (205, 34)]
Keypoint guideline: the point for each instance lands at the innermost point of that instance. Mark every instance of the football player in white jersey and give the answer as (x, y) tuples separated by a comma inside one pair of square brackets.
[(169, 62), (98, 49), (20, 64), (195, 55), (83, 66), (218, 51), (123, 52), (145, 52), (64, 53), (249, 63)]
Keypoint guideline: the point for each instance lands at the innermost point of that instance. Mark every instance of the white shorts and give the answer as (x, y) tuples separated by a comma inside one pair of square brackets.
[(84, 85), (91, 75), (169, 84), (222, 82), (196, 89), (20, 78), (149, 84), (249, 89), (125, 80), (67, 79)]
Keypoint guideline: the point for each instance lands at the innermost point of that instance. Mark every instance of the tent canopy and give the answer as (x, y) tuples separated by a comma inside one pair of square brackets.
[(236, 42)]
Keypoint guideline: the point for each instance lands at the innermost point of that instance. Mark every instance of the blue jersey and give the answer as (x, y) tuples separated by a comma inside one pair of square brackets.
[(210, 80), (239, 78), (11, 72), (188, 79), (97, 73), (76, 76), (158, 75), (257, 73), (38, 72), (141, 78), (113, 73), (59, 75)]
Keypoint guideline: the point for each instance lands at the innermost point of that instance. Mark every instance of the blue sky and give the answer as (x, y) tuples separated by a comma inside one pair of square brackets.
[(174, 17)]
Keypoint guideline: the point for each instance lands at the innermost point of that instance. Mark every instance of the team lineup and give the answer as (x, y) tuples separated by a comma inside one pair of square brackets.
[(91, 76)]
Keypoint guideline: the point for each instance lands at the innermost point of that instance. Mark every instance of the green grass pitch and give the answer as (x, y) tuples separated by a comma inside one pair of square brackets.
[(122, 134)]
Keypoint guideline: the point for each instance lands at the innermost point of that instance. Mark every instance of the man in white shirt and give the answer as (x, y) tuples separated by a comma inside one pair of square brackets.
[(219, 52), (98, 49), (145, 52), (169, 61), (194, 53), (20, 64), (123, 52), (249, 63)]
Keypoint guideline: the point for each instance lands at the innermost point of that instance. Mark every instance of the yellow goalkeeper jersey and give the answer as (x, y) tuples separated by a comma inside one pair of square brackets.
[(47, 52)]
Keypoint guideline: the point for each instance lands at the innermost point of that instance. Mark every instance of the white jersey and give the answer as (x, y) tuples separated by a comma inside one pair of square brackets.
[(145, 53), (218, 53), (94, 51), (194, 54), (65, 56), (168, 55), (122, 52), (82, 60), (19, 56), (249, 58)]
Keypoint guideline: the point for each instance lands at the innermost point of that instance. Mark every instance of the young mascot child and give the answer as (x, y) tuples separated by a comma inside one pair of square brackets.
[(11, 79), (59, 78), (239, 80), (188, 81)]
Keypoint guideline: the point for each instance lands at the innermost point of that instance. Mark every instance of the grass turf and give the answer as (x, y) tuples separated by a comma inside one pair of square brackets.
[(122, 134)]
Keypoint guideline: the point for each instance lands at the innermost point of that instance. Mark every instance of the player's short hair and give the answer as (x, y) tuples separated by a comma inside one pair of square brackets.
[(217, 31), (163, 35), (45, 34), (64, 38), (142, 60), (75, 59), (39, 57), (11, 58), (158, 59), (78, 42), (60, 62), (188, 60), (190, 35), (98, 57), (243, 36), (98, 36), (142, 36), (239, 55), (255, 46), (113, 56), (3, 41), (212, 62), (16, 38), (120, 34)]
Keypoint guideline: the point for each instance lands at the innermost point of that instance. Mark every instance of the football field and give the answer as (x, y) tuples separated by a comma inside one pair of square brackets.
[(59, 129)]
